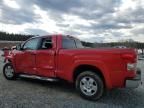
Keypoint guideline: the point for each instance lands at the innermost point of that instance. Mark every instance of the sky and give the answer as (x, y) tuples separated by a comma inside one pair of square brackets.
[(89, 20)]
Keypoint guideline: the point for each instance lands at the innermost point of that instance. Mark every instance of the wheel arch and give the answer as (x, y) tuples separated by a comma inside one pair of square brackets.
[(85, 67)]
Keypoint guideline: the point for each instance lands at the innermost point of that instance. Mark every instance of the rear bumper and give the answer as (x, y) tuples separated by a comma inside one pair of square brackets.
[(134, 82)]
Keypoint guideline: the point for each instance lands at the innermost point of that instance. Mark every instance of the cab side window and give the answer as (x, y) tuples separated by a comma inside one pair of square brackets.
[(31, 44), (68, 43), (46, 43)]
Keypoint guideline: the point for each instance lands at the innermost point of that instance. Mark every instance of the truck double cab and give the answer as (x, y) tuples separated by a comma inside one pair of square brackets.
[(91, 70)]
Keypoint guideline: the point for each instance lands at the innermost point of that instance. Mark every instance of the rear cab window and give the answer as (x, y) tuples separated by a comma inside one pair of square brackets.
[(71, 42), (68, 43)]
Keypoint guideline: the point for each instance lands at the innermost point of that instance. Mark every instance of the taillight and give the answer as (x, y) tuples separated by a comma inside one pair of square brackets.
[(130, 60), (131, 66)]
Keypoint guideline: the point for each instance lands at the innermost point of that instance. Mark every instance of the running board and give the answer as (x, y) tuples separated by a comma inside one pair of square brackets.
[(38, 77)]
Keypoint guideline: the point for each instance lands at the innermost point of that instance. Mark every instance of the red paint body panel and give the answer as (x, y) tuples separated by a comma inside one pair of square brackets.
[(45, 65), (25, 62), (61, 63)]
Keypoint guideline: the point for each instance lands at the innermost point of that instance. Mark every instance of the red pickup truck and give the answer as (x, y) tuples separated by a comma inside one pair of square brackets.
[(56, 57)]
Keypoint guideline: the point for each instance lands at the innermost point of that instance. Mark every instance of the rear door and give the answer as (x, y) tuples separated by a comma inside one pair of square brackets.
[(45, 57)]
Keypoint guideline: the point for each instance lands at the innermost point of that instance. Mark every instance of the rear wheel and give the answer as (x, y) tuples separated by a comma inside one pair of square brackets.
[(8, 72), (89, 85)]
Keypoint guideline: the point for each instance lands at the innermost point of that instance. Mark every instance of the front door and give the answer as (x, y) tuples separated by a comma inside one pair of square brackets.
[(25, 58)]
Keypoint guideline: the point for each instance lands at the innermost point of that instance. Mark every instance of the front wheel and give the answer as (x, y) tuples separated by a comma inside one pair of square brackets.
[(89, 85), (8, 72)]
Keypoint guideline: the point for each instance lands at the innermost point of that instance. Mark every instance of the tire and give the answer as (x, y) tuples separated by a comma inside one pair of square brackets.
[(89, 85), (8, 72)]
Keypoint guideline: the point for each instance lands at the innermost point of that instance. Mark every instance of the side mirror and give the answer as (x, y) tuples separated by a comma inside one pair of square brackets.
[(18, 47), (13, 47)]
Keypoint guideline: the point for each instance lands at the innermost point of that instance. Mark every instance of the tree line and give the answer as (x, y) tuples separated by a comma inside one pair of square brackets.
[(13, 37)]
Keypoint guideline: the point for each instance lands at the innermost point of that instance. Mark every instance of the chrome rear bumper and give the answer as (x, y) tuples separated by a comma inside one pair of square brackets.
[(134, 82)]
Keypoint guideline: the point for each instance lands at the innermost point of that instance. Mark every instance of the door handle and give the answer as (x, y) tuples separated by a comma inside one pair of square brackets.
[(33, 53)]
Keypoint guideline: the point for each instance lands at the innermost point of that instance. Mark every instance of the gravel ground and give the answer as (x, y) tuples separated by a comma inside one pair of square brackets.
[(24, 93)]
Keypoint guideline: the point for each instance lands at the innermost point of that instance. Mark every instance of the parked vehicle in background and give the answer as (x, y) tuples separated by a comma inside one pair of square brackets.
[(120, 47), (141, 57), (92, 71)]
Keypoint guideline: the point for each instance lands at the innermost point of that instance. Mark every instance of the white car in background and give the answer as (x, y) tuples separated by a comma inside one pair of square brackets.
[(120, 47)]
